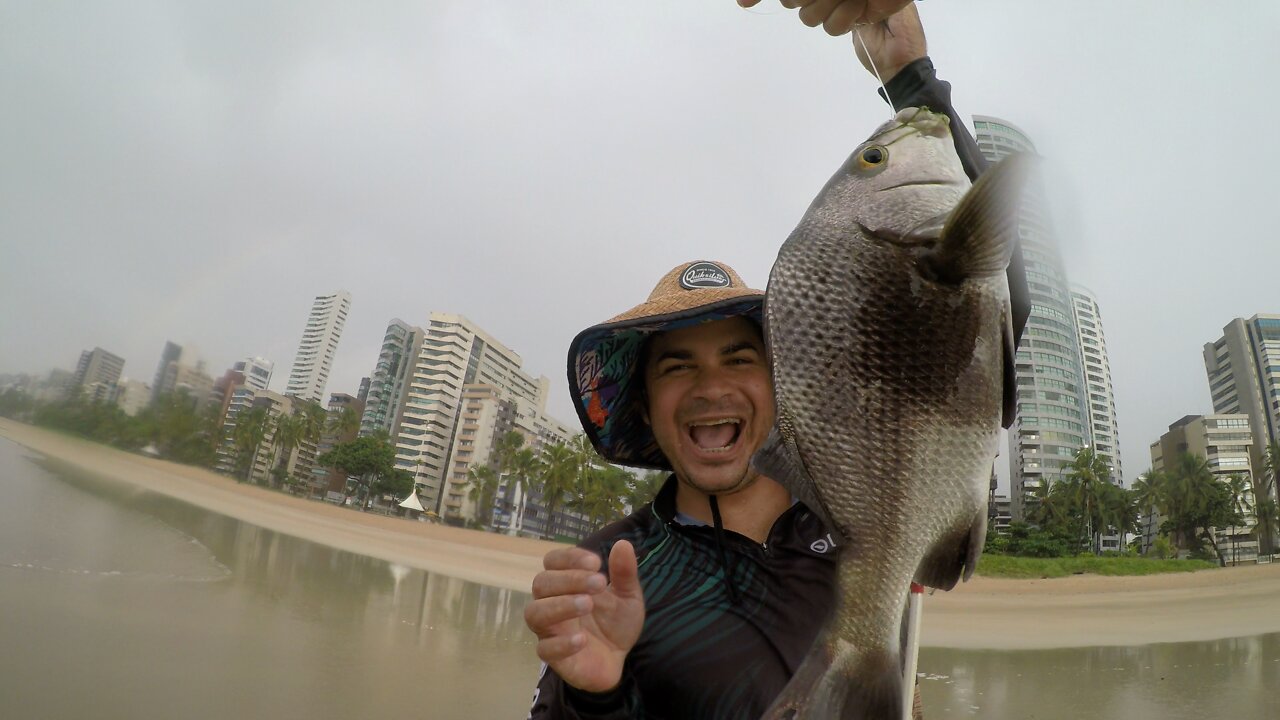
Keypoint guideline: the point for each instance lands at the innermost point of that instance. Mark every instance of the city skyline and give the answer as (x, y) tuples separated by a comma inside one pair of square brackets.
[(467, 160)]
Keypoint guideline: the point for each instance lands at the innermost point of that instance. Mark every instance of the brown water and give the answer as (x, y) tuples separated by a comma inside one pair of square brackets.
[(117, 603)]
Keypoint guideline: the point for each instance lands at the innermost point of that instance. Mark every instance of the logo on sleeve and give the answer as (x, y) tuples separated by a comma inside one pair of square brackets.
[(823, 545)]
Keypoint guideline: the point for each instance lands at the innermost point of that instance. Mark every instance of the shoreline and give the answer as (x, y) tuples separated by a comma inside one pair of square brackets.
[(984, 613)]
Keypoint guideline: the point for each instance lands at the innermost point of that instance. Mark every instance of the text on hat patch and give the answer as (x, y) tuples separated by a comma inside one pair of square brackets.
[(704, 275)]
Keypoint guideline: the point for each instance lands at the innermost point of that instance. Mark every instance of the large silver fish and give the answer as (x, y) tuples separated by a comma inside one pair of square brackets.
[(889, 329)]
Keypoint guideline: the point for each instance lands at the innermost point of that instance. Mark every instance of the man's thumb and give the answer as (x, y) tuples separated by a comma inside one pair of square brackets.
[(624, 576)]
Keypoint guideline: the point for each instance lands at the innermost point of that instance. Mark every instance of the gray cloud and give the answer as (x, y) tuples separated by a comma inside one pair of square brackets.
[(200, 172)]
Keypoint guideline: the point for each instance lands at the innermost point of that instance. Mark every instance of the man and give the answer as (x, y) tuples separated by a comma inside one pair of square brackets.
[(703, 604)]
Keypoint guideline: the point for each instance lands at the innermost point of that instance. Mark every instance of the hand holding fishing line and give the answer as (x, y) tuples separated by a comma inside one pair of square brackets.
[(884, 48), (585, 625), (838, 17)]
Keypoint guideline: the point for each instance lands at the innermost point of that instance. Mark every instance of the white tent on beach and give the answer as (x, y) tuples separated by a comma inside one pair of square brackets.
[(411, 502)]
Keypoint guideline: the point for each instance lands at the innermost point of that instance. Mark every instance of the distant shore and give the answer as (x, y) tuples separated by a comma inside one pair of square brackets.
[(1078, 611)]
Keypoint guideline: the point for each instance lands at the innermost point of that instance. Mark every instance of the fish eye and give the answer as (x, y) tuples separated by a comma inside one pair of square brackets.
[(873, 157)]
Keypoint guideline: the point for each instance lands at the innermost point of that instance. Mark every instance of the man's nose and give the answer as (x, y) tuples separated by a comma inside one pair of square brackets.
[(712, 383)]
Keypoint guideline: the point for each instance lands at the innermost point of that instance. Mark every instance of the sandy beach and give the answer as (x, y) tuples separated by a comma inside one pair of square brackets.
[(1079, 611)]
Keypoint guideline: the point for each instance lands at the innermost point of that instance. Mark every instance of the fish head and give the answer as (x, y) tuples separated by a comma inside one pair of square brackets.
[(899, 180)]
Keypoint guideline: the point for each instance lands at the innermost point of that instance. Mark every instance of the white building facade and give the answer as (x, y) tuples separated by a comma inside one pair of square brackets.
[(1100, 409), (391, 378), (1243, 367), (314, 361), (1049, 427), (455, 352), (257, 372), (1225, 441)]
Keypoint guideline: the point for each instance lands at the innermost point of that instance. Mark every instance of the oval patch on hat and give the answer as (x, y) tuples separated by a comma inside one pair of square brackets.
[(702, 275)]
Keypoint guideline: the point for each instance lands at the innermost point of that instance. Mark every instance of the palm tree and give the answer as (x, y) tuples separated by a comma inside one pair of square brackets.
[(1238, 486), (311, 424), (1148, 495), (250, 429), (288, 431), (1195, 503), (1117, 509), (559, 476), (600, 496), (1047, 505), (1089, 471), (1265, 505), (343, 423), (642, 490), (524, 470), (482, 488)]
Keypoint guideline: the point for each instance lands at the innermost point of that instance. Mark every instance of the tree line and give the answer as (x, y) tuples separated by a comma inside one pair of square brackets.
[(171, 425), (1071, 515), (565, 476), (175, 427), (1067, 517)]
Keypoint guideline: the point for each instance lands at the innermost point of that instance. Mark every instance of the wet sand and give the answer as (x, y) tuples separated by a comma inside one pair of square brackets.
[(1079, 611)]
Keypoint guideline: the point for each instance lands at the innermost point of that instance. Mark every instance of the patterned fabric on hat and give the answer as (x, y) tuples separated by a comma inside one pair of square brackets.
[(609, 381)]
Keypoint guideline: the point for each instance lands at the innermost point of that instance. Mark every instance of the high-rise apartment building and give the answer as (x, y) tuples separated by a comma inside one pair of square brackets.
[(182, 371), (1244, 375), (319, 344), (256, 370), (454, 352), (184, 379), (391, 378), (132, 396), (1226, 443), (1100, 407), (487, 414), (172, 353), (256, 465), (1049, 427), (98, 372)]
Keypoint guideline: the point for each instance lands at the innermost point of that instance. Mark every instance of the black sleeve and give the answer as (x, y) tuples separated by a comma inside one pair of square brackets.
[(917, 85), (554, 700)]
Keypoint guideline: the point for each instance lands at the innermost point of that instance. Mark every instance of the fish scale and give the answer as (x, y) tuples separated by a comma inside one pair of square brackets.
[(888, 325)]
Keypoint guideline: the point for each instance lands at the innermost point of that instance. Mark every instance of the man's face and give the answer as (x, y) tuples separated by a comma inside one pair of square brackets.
[(710, 401)]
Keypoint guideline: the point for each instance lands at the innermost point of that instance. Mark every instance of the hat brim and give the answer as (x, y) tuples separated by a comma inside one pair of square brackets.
[(604, 382)]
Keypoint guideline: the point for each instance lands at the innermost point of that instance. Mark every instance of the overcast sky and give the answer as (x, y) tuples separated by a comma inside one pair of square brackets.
[(201, 171)]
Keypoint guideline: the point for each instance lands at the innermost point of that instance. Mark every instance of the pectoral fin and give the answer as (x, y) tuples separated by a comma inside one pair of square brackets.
[(954, 557), (980, 233)]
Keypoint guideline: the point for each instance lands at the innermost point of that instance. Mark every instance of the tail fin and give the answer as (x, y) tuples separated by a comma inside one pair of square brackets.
[(838, 683)]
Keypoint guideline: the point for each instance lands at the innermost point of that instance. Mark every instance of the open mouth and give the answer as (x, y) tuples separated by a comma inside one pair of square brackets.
[(716, 436)]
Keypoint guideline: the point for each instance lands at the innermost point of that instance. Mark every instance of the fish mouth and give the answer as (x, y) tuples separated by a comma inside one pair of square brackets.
[(714, 435), (918, 183)]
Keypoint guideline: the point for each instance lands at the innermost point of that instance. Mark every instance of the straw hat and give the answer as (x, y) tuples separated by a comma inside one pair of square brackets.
[(604, 381)]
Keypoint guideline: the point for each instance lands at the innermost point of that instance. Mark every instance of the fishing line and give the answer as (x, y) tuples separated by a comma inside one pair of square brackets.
[(857, 37)]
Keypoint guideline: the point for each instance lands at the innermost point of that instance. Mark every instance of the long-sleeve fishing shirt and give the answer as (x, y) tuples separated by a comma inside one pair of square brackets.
[(701, 655)]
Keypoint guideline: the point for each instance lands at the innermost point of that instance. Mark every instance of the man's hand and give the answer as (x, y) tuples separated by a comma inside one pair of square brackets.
[(838, 17), (892, 44), (585, 626)]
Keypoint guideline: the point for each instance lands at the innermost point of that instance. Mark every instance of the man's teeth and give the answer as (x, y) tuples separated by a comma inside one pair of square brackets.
[(733, 438)]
